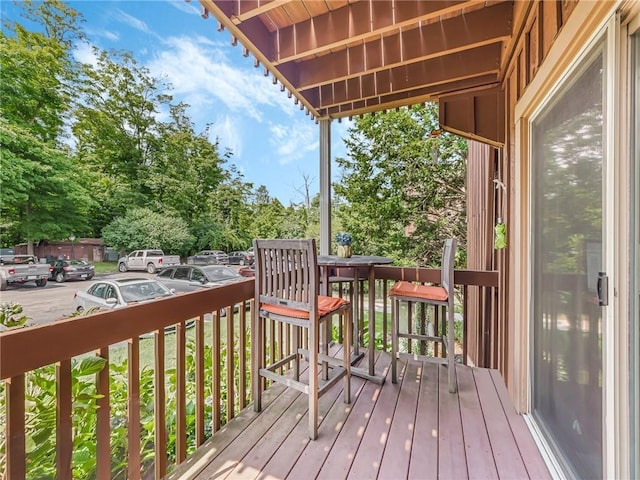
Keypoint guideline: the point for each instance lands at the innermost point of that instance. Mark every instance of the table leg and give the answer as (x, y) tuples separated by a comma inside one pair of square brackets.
[(355, 313), (368, 372)]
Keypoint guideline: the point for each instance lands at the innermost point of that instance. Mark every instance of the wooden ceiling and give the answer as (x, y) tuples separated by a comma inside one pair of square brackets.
[(343, 58)]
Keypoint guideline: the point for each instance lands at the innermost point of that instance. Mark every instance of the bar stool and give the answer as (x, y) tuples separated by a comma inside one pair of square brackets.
[(287, 291), (438, 296)]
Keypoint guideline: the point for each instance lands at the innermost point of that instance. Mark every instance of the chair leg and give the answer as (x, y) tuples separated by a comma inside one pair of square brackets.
[(395, 312), (257, 358), (346, 351), (296, 347), (451, 351), (314, 333)]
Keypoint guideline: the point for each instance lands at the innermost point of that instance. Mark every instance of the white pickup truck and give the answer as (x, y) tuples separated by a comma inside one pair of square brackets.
[(149, 260), (23, 269)]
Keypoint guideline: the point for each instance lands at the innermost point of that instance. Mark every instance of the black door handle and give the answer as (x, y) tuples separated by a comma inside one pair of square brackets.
[(603, 289)]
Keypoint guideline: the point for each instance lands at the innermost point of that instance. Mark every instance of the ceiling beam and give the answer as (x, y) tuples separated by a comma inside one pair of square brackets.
[(478, 28), (357, 22), (458, 66), (246, 9), (407, 98)]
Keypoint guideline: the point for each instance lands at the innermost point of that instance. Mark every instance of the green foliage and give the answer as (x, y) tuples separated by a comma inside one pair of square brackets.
[(402, 191), (143, 228), (43, 196), (11, 315), (41, 412)]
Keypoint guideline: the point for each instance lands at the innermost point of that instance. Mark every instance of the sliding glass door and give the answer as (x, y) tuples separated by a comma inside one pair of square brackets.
[(567, 171)]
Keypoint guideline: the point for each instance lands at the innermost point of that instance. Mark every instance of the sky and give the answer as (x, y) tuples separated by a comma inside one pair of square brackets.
[(273, 143)]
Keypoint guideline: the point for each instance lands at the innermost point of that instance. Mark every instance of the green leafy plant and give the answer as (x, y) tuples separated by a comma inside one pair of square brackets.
[(11, 315)]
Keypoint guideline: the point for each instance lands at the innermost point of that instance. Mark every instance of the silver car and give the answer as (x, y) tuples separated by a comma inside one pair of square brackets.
[(120, 293), (189, 278)]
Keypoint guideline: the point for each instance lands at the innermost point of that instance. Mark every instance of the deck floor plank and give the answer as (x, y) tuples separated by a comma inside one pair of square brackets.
[(415, 429), (313, 455), (481, 464), (451, 459), (339, 460), (397, 453), (291, 448), (503, 445), (227, 460), (366, 463), (424, 453), (535, 465)]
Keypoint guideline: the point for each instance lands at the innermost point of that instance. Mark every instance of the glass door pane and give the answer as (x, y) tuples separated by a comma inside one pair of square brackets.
[(567, 172)]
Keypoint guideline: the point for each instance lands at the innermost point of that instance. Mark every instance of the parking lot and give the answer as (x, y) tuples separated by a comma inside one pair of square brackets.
[(55, 300)]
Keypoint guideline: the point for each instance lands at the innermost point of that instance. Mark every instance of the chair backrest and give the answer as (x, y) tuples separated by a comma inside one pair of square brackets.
[(287, 273), (448, 259)]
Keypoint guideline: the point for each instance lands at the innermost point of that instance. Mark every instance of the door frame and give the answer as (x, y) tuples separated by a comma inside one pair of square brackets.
[(587, 24)]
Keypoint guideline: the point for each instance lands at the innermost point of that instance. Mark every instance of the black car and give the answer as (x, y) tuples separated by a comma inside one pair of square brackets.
[(64, 270), (241, 258)]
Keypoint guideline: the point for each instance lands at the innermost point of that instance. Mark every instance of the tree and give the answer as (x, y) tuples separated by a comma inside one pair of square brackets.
[(43, 192), (116, 130), (37, 71), (402, 190), (43, 196), (142, 228), (186, 168)]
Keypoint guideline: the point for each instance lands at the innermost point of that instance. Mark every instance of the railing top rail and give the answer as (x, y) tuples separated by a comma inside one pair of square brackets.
[(481, 278), (25, 349)]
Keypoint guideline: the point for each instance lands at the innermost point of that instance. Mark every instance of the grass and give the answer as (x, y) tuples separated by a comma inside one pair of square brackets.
[(105, 267)]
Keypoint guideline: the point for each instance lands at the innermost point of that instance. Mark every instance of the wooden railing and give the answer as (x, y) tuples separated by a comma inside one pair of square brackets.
[(213, 399)]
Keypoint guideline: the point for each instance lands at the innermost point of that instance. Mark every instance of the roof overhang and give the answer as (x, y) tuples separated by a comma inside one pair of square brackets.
[(343, 58)]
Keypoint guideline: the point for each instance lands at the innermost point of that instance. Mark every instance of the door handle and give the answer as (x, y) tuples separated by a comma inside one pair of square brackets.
[(603, 289)]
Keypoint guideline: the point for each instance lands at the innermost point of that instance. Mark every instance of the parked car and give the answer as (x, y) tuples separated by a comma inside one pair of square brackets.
[(209, 257), (120, 293), (248, 271), (64, 270), (189, 278), (241, 258), (22, 269), (149, 260), (7, 254)]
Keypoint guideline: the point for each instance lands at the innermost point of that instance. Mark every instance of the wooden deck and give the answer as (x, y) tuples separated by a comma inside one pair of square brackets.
[(415, 429)]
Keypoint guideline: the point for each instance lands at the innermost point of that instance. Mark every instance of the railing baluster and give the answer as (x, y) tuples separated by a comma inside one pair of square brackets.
[(159, 406), (133, 424), (242, 355), (16, 448), (64, 426), (181, 393), (230, 365), (200, 403), (215, 356), (103, 422)]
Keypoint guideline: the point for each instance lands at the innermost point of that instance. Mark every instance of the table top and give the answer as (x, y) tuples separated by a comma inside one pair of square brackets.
[(353, 261)]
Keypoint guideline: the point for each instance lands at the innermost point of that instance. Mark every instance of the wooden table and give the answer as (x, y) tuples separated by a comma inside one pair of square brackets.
[(359, 263)]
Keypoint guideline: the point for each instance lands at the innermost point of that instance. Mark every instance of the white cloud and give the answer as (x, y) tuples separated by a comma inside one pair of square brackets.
[(293, 141), (84, 53), (202, 75), (187, 7), (101, 32), (227, 129), (133, 22)]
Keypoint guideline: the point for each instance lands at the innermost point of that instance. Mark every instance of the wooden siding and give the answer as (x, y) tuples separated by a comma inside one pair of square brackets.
[(481, 212), (413, 429), (535, 27)]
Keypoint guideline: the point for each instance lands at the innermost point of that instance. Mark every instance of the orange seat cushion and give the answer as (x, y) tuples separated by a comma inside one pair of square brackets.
[(408, 289), (326, 305)]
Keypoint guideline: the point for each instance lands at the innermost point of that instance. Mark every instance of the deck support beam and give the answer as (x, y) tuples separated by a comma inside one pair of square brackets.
[(325, 186)]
